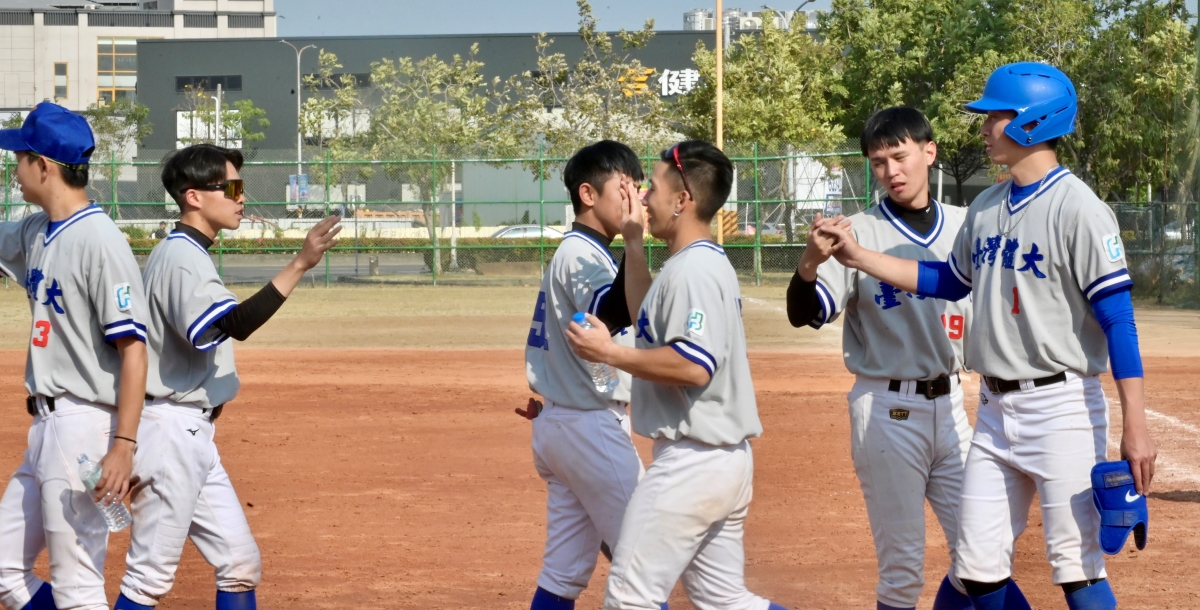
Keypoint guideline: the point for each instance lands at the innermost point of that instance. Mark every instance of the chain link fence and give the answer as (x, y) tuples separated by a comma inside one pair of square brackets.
[(497, 221)]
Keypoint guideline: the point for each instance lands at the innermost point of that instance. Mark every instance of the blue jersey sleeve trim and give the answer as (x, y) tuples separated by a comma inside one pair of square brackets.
[(598, 298), (696, 354), (1107, 284), (936, 279), (828, 310), (124, 328), (1114, 311), (207, 319)]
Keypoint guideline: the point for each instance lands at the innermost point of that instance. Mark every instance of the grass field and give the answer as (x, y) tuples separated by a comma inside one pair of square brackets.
[(375, 450)]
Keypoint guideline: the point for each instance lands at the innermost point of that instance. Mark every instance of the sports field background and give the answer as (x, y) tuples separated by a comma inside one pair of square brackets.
[(381, 466)]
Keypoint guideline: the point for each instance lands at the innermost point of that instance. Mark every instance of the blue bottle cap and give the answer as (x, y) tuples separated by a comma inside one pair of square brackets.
[(579, 318)]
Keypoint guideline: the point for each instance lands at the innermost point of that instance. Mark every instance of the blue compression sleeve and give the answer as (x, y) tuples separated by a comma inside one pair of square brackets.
[(1114, 311), (935, 279)]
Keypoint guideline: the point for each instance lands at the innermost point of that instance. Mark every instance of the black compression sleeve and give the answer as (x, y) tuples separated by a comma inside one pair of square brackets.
[(613, 310), (802, 305), (251, 314)]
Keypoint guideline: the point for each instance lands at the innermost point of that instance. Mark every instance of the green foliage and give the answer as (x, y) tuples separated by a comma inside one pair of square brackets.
[(606, 94), (476, 220), (241, 120), (134, 232), (14, 121), (118, 128), (778, 86)]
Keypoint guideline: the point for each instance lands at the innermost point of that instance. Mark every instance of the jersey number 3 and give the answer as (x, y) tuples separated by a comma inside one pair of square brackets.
[(41, 333), (954, 326)]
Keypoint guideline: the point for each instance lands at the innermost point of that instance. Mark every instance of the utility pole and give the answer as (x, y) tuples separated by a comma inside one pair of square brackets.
[(299, 136)]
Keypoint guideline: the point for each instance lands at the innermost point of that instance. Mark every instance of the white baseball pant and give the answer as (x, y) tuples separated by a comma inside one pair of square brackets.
[(182, 491), (908, 449), (591, 468), (1042, 440), (47, 507), (686, 520)]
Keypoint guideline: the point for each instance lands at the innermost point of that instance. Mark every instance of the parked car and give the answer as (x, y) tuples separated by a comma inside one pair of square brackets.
[(527, 232)]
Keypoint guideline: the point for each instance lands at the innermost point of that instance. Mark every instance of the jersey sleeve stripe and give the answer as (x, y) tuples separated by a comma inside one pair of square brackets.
[(124, 328), (825, 299), (598, 298), (696, 354), (215, 342), (206, 319), (962, 277), (1108, 284)]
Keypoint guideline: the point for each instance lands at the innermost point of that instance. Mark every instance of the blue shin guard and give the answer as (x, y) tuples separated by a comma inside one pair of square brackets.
[(1093, 597), (1122, 508), (1008, 598), (545, 600), (42, 600), (948, 598), (244, 600), (124, 603)]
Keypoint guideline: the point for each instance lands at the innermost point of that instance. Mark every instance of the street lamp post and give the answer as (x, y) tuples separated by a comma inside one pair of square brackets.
[(299, 136)]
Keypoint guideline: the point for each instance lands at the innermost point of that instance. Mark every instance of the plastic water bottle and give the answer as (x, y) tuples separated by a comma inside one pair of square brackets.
[(603, 376), (833, 208), (115, 514)]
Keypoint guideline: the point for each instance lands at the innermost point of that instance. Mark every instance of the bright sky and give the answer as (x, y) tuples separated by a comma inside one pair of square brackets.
[(384, 17)]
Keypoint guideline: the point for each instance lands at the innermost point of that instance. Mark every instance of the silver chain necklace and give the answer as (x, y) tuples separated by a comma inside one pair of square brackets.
[(1021, 216)]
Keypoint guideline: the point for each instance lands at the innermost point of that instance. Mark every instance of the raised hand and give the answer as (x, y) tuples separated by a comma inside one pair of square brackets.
[(318, 241), (633, 215)]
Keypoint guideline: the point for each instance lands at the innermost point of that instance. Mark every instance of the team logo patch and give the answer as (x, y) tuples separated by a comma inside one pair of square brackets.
[(695, 322), (898, 414), (122, 295), (1114, 248)]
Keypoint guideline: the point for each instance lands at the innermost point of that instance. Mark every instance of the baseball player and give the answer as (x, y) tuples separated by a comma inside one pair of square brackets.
[(909, 433), (182, 490), (692, 394), (582, 446), (1044, 261), (85, 373)]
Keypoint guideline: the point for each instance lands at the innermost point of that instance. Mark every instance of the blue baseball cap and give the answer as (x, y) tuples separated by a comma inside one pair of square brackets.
[(55, 133)]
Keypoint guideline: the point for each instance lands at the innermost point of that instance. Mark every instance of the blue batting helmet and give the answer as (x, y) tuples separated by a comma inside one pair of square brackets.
[(1041, 95)]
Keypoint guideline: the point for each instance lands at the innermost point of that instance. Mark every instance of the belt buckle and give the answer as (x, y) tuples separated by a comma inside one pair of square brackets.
[(993, 384), (933, 385)]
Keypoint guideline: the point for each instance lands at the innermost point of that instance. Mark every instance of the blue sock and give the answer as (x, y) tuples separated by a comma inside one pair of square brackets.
[(882, 606), (948, 598), (1008, 598), (1093, 597), (124, 603), (545, 600), (43, 599), (244, 600), (664, 606), (775, 606)]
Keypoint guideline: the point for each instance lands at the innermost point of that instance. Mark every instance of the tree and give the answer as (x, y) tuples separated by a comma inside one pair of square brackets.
[(241, 120), (605, 94), (410, 110), (119, 127)]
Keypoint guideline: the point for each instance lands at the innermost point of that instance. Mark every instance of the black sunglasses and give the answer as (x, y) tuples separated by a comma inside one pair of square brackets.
[(233, 188)]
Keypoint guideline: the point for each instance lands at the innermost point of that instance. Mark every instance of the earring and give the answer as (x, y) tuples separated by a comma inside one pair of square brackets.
[(677, 213)]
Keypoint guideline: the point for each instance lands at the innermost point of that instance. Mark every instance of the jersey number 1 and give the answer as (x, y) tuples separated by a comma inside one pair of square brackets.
[(1016, 302), (41, 334)]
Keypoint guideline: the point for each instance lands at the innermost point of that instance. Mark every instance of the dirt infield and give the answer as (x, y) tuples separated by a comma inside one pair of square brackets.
[(400, 478)]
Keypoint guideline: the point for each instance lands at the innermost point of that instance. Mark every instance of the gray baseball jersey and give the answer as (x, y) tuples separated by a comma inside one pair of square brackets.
[(190, 360), (577, 279), (889, 333), (695, 307), (1033, 266), (84, 291)]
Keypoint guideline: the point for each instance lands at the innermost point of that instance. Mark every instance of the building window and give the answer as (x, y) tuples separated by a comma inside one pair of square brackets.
[(232, 82), (245, 21), (15, 18), (200, 21), (129, 20), (60, 81), (116, 68), (60, 19)]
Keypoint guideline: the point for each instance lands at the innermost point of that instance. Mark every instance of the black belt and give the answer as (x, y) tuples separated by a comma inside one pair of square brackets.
[(929, 388), (1002, 386), (31, 404), (212, 414)]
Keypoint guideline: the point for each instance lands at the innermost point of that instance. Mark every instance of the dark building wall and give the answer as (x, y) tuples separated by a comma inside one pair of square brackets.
[(267, 68)]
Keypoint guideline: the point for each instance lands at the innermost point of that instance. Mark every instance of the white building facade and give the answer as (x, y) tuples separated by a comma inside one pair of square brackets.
[(79, 52)]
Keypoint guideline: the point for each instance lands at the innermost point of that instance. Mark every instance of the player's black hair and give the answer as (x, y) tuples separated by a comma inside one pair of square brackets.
[(595, 163), (709, 174), (196, 165), (892, 126), (75, 178)]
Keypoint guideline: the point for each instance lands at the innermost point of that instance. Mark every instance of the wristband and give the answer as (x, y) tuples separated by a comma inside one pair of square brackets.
[(125, 438)]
